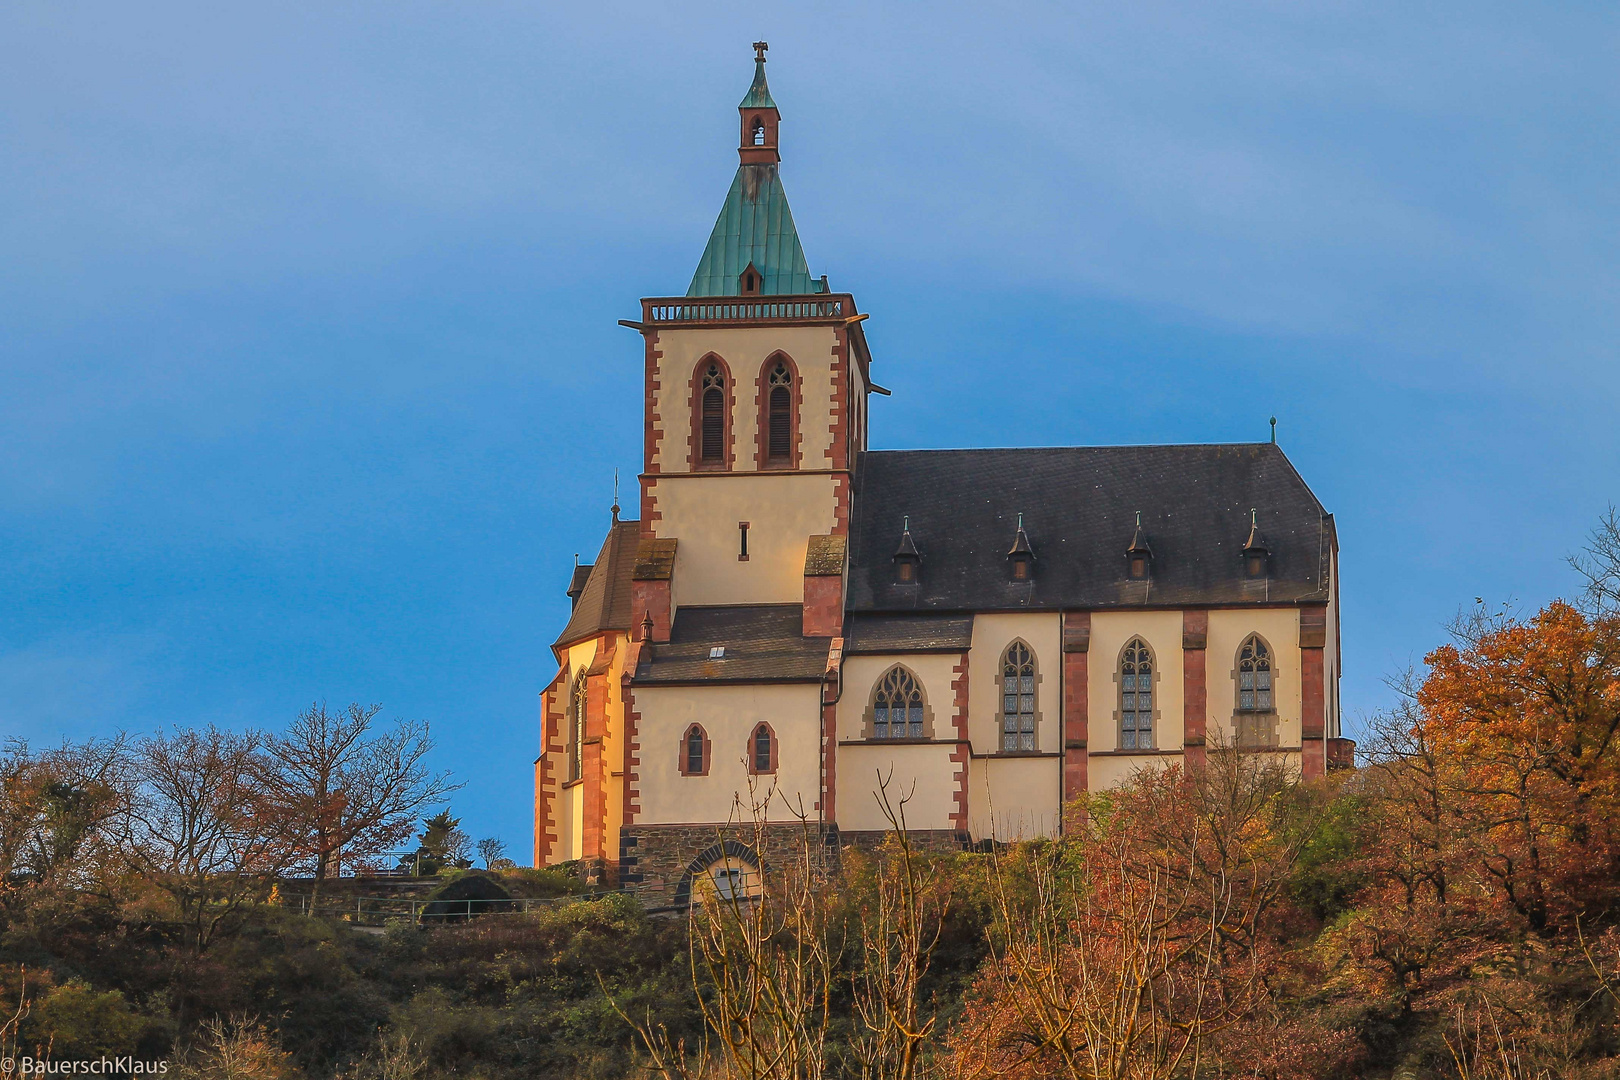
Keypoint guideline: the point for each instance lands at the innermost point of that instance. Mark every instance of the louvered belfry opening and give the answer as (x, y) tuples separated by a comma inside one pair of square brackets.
[(714, 415), (780, 446)]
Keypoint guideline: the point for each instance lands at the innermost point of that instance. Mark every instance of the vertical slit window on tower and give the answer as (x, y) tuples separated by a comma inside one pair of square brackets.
[(714, 414), (780, 440), (742, 540)]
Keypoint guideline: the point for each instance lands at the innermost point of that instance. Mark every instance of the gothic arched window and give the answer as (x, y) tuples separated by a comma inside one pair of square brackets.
[(1136, 697), (711, 418), (695, 752), (1254, 676), (779, 422), (1018, 698), (897, 706), (762, 750), (576, 730)]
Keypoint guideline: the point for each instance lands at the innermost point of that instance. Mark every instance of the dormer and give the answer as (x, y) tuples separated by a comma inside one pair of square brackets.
[(1139, 556), (907, 560), (1256, 555), (1020, 557), (759, 117)]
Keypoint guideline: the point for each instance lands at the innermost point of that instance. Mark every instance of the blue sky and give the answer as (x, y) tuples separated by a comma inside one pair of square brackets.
[(311, 383)]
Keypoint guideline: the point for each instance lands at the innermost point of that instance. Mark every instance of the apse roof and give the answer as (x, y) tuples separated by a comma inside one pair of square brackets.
[(604, 602)]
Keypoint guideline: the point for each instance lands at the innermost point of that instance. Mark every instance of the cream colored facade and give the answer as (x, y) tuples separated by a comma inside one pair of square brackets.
[(726, 649)]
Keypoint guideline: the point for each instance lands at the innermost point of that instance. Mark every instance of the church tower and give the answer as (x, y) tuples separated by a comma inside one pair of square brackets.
[(755, 409)]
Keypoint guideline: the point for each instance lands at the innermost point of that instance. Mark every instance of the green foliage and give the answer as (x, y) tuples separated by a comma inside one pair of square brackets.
[(76, 1021), (1328, 876)]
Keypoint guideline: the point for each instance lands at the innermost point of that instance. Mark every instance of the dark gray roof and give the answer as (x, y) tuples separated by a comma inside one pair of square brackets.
[(1079, 506), (763, 643), (604, 602), (872, 633)]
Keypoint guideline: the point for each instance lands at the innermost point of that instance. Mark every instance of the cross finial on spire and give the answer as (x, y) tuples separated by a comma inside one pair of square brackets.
[(759, 51), (615, 496)]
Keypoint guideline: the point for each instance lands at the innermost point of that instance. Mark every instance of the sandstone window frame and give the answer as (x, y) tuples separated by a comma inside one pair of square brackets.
[(575, 748), (1256, 722), (894, 679), (767, 385), (1130, 654), (703, 747), (770, 755), (1033, 713), (712, 382)]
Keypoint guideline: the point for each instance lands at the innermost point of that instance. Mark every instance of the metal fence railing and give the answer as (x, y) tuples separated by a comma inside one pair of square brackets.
[(381, 910)]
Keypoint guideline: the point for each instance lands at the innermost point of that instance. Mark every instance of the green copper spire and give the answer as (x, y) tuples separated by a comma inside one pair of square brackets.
[(759, 94), (755, 227)]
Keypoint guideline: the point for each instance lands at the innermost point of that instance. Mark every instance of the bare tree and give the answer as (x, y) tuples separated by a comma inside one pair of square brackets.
[(770, 956), (491, 851), (1599, 564), (194, 825), (339, 790)]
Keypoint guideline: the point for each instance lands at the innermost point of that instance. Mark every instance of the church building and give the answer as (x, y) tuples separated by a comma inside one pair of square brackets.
[(999, 631)]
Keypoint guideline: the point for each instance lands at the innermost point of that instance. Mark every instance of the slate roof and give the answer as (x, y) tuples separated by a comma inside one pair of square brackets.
[(604, 603), (874, 633), (764, 643), (1079, 506)]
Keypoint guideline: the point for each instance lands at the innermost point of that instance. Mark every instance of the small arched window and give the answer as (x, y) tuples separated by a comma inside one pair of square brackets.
[(762, 750), (1136, 697), (1017, 698), (759, 131), (714, 414), (695, 752), (897, 707), (1254, 676), (780, 421), (576, 730)]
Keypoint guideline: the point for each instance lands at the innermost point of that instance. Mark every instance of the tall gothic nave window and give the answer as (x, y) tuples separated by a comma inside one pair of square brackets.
[(576, 731), (1136, 697), (1254, 676), (1017, 698)]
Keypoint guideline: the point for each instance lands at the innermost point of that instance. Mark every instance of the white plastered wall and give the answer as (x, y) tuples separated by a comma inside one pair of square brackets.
[(745, 350), (926, 770), (1014, 798), (728, 715), (934, 671), (920, 773), (1110, 630), (783, 511), (1280, 629), (1043, 633)]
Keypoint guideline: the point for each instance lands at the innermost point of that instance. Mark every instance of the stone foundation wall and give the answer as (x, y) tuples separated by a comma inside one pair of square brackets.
[(656, 862)]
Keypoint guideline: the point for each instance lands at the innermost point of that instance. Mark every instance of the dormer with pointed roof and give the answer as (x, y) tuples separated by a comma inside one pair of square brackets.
[(1139, 556), (906, 557), (1256, 554), (1021, 557)]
